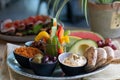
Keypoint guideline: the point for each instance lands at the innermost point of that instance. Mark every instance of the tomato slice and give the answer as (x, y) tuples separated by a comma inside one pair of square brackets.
[(31, 19), (8, 25), (17, 23), (27, 22), (39, 18)]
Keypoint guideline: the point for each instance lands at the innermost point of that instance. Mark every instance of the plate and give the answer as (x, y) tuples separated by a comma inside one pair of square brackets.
[(57, 74), (17, 38)]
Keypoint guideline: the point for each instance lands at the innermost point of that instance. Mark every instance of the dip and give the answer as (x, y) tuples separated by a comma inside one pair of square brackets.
[(75, 60)]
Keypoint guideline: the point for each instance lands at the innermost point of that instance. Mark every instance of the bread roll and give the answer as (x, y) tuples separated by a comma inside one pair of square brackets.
[(91, 56), (110, 54), (101, 57), (116, 59)]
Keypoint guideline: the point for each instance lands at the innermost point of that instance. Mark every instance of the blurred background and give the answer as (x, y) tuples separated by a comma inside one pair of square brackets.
[(71, 15)]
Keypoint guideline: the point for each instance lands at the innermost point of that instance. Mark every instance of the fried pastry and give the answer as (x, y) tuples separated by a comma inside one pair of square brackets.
[(101, 57), (116, 59), (91, 55), (110, 54)]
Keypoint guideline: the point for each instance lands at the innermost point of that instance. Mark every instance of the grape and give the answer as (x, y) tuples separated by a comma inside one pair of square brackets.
[(45, 59), (108, 40), (108, 44), (54, 59), (100, 43), (48, 59), (113, 47)]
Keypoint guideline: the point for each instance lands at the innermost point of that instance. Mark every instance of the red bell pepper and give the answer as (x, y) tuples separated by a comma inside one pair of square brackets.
[(60, 33)]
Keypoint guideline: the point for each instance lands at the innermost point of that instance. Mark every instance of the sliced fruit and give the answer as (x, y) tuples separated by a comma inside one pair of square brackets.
[(81, 45), (73, 39), (87, 35)]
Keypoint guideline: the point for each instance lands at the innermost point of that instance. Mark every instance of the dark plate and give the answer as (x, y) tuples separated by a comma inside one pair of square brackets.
[(17, 38), (57, 75)]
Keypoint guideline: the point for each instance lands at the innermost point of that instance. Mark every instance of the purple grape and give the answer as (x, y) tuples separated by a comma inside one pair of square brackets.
[(113, 47), (45, 59), (49, 59), (100, 43), (108, 40), (108, 44), (54, 59)]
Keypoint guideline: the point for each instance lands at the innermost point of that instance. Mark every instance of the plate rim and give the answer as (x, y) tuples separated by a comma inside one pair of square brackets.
[(16, 38), (44, 77)]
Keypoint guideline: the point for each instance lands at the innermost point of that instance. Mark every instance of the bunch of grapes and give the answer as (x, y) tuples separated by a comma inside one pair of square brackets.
[(106, 42), (48, 59)]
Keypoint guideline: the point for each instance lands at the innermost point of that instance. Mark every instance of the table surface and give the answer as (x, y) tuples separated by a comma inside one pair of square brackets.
[(8, 73)]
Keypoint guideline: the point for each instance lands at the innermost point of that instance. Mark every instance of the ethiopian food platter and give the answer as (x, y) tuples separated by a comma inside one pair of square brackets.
[(55, 53)]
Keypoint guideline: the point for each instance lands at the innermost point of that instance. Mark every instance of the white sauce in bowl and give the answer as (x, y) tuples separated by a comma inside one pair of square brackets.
[(75, 60)]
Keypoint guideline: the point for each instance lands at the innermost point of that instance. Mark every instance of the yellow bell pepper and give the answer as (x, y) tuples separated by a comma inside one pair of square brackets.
[(66, 38), (42, 34)]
